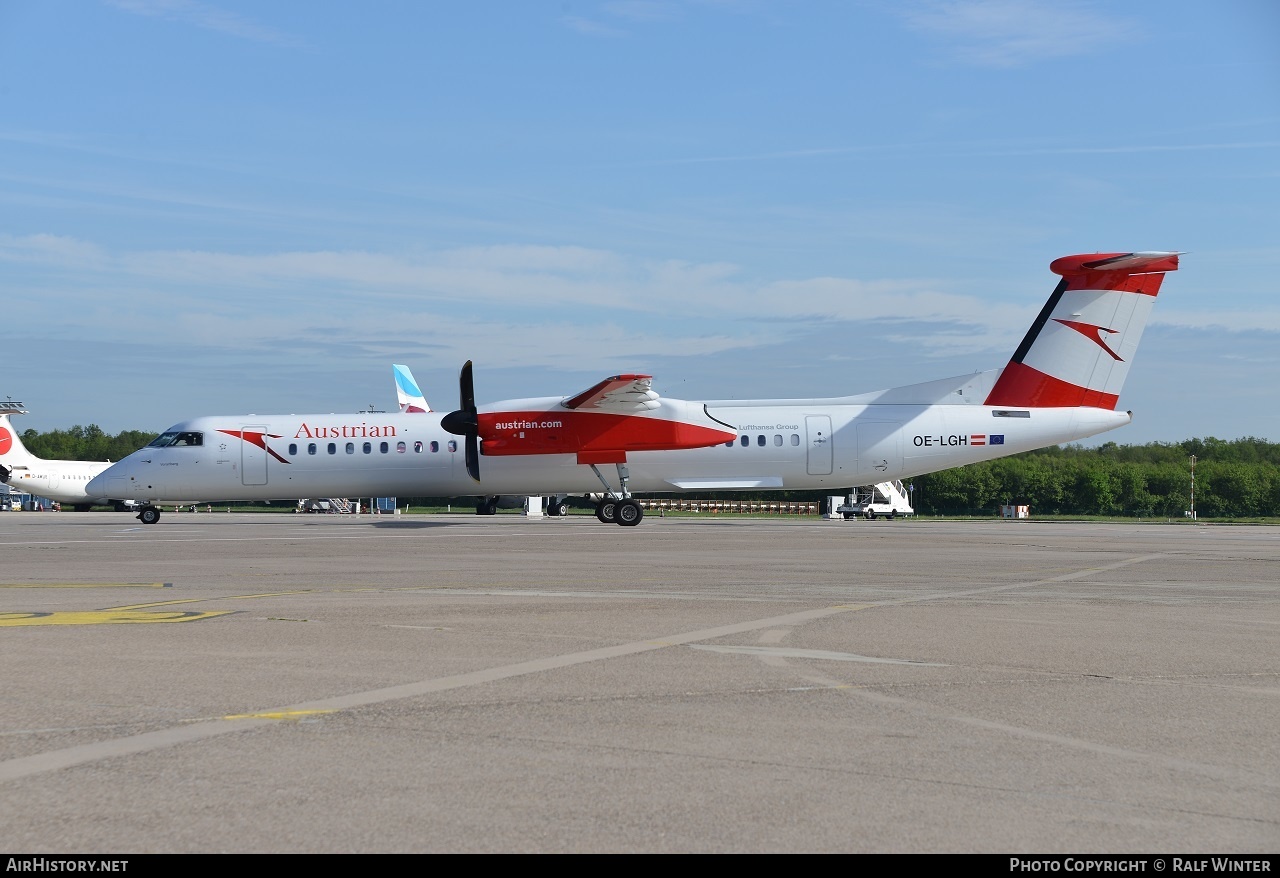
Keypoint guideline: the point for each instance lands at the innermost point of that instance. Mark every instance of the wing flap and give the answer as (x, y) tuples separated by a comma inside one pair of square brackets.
[(621, 393)]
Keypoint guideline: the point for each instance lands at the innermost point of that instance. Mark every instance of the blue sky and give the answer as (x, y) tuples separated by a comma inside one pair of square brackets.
[(213, 207)]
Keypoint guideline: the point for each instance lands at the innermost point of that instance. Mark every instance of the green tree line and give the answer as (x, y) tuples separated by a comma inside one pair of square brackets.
[(85, 443), (1233, 478)]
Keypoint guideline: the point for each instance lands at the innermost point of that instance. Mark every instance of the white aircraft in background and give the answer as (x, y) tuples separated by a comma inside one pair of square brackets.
[(64, 482), (1062, 384)]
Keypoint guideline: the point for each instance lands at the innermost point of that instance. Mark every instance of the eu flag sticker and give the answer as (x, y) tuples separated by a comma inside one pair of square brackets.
[(996, 439)]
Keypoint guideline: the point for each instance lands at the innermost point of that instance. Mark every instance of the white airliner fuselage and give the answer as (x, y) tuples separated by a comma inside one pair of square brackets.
[(64, 482), (796, 445)]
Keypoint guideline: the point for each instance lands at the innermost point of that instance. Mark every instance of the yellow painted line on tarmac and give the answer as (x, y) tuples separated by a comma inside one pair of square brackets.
[(279, 714), (86, 585), (101, 617), (235, 597)]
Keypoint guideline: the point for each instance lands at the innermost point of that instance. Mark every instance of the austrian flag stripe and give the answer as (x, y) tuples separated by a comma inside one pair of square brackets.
[(977, 438)]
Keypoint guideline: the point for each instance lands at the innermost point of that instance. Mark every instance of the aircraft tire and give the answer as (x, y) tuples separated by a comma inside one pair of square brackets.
[(893, 515), (606, 510), (871, 515), (628, 513), (149, 515), (557, 507)]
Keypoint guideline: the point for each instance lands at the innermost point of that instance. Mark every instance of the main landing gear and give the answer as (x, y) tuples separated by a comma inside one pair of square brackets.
[(149, 515), (618, 507)]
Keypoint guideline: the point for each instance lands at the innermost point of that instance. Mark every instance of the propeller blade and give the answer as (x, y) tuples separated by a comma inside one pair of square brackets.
[(466, 421), (473, 456), (467, 390)]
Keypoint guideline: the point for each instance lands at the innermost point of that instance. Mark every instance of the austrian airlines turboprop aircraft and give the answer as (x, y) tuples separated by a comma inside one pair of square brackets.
[(1062, 384), (62, 481)]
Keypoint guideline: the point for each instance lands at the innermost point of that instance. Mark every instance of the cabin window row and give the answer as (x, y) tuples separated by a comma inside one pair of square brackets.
[(432, 447), (762, 440)]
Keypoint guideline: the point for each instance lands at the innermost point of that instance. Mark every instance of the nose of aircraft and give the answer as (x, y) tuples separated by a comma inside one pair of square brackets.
[(110, 483), (96, 484)]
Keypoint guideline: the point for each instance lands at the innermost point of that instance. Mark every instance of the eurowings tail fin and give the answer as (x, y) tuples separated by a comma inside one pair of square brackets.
[(410, 397), (1078, 351)]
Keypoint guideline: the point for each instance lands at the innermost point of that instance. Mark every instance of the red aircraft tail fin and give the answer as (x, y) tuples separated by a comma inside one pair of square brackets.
[(1078, 351)]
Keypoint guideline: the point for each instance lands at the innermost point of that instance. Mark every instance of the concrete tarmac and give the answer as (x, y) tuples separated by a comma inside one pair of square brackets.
[(236, 682)]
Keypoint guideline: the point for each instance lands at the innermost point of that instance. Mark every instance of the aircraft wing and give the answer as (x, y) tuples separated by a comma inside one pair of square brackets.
[(620, 394)]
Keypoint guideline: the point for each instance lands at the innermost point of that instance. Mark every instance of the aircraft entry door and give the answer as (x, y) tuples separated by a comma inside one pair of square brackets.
[(818, 427), (253, 459)]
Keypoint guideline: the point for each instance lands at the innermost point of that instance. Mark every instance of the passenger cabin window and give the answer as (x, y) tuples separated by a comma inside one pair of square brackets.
[(351, 448), (417, 448), (777, 439), (333, 447), (311, 448), (401, 448), (368, 448), (435, 446), (177, 439), (293, 448), (383, 447), (795, 438), (453, 444), (746, 440), (760, 440)]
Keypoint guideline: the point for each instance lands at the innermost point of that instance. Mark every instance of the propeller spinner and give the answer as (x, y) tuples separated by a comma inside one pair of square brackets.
[(465, 422)]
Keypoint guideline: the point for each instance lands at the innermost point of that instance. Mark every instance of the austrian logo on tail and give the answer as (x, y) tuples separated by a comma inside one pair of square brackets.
[(258, 439), (1091, 332)]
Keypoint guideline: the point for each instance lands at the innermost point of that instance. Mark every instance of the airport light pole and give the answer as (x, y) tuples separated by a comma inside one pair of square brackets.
[(1193, 487)]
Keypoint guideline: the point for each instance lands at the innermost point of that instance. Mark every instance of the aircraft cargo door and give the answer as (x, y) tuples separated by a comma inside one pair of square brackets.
[(253, 459), (880, 448), (820, 444)]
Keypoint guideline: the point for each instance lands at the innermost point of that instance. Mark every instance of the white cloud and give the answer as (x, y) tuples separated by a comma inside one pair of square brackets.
[(206, 16), (643, 10), (525, 308), (588, 27), (1013, 33)]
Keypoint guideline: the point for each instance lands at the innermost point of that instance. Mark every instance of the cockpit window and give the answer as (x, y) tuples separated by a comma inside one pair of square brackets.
[(178, 438)]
